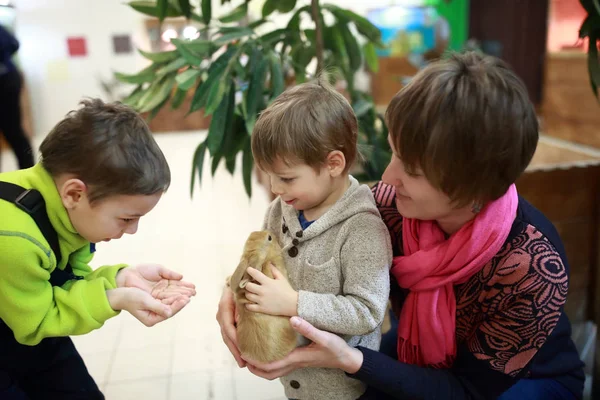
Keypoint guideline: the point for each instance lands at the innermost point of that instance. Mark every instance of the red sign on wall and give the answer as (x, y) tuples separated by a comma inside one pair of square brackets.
[(77, 46)]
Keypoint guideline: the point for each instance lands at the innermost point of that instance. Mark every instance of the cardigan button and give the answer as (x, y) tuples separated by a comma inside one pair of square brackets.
[(295, 384), (299, 234), (284, 228), (293, 251), (295, 242)]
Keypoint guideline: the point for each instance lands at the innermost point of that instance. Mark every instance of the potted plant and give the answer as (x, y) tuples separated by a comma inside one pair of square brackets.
[(235, 69)]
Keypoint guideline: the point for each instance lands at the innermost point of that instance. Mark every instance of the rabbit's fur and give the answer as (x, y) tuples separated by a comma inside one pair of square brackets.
[(261, 337)]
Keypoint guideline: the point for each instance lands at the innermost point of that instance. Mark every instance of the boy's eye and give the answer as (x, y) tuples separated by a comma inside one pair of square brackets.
[(127, 219), (287, 180)]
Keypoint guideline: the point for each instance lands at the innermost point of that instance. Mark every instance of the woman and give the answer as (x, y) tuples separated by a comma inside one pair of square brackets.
[(480, 277)]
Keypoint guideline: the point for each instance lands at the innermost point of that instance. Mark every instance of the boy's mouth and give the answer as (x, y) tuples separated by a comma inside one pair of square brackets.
[(290, 202)]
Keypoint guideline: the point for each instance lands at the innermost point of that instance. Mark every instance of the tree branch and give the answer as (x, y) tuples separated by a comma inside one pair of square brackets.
[(318, 33)]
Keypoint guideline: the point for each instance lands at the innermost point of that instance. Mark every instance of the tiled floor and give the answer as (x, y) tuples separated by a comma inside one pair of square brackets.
[(182, 358)]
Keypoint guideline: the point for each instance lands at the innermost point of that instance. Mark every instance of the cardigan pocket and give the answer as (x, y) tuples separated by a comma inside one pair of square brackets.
[(322, 278)]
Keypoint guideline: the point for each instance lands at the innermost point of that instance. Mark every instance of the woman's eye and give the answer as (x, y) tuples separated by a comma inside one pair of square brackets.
[(127, 219), (287, 180)]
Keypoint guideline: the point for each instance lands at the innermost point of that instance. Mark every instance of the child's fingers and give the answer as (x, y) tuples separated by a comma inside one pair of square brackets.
[(257, 275), (179, 304), (254, 308), (253, 288), (252, 297), (168, 274), (151, 304), (276, 273)]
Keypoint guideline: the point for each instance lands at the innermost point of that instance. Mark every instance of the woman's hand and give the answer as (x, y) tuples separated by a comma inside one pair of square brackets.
[(327, 350), (226, 316)]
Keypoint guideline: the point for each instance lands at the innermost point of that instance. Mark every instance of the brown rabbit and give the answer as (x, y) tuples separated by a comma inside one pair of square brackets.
[(261, 337)]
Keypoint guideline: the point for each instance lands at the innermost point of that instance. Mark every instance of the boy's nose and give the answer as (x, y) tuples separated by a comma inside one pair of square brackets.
[(132, 228)]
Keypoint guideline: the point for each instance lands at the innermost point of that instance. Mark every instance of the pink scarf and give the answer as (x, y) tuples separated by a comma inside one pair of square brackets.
[(430, 268)]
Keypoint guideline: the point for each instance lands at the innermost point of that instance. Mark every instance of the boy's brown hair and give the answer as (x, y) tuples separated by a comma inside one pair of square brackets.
[(110, 148), (468, 123), (304, 124)]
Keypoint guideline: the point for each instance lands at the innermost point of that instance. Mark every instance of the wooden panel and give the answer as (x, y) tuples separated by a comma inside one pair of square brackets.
[(569, 109), (561, 194), (388, 80)]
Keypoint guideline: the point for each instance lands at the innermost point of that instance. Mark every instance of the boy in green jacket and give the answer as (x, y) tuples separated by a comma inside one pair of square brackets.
[(100, 172)]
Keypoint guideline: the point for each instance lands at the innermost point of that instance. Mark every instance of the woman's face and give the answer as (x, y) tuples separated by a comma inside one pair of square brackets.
[(415, 196)]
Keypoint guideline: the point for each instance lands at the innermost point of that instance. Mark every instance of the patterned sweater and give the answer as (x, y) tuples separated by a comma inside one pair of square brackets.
[(510, 321)]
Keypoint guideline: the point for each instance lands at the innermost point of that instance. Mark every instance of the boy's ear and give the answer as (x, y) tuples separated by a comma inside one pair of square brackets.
[(336, 163), (72, 193)]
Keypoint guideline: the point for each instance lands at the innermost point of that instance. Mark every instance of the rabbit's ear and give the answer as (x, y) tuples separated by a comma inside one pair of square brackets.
[(240, 277)]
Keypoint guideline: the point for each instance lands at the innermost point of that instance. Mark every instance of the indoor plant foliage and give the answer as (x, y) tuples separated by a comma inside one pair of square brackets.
[(234, 72), (590, 28)]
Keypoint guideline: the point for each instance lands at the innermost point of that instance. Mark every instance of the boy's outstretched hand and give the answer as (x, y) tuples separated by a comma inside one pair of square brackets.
[(143, 306), (156, 280), (157, 283)]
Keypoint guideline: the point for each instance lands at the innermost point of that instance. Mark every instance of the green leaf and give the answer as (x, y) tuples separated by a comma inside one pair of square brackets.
[(354, 54), (361, 107), (215, 96), (301, 55), (230, 164), (285, 6), (223, 115), (215, 71), (162, 6), (231, 36), (186, 9), (236, 14), (311, 35), (269, 7), (594, 62), (215, 162), (186, 53), (178, 98), (145, 75), (134, 97), (197, 165), (274, 37), (235, 135), (199, 46), (151, 8), (277, 79), (371, 57), (333, 40), (591, 23), (160, 57), (363, 25), (255, 93), (187, 78), (256, 24), (206, 11), (173, 66), (247, 166), (156, 109), (156, 94)]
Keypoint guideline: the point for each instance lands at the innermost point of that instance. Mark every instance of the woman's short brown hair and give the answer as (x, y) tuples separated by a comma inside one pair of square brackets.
[(304, 124), (110, 148), (468, 123)]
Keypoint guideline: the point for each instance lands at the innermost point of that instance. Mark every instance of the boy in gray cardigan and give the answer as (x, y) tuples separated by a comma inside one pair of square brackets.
[(337, 249)]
